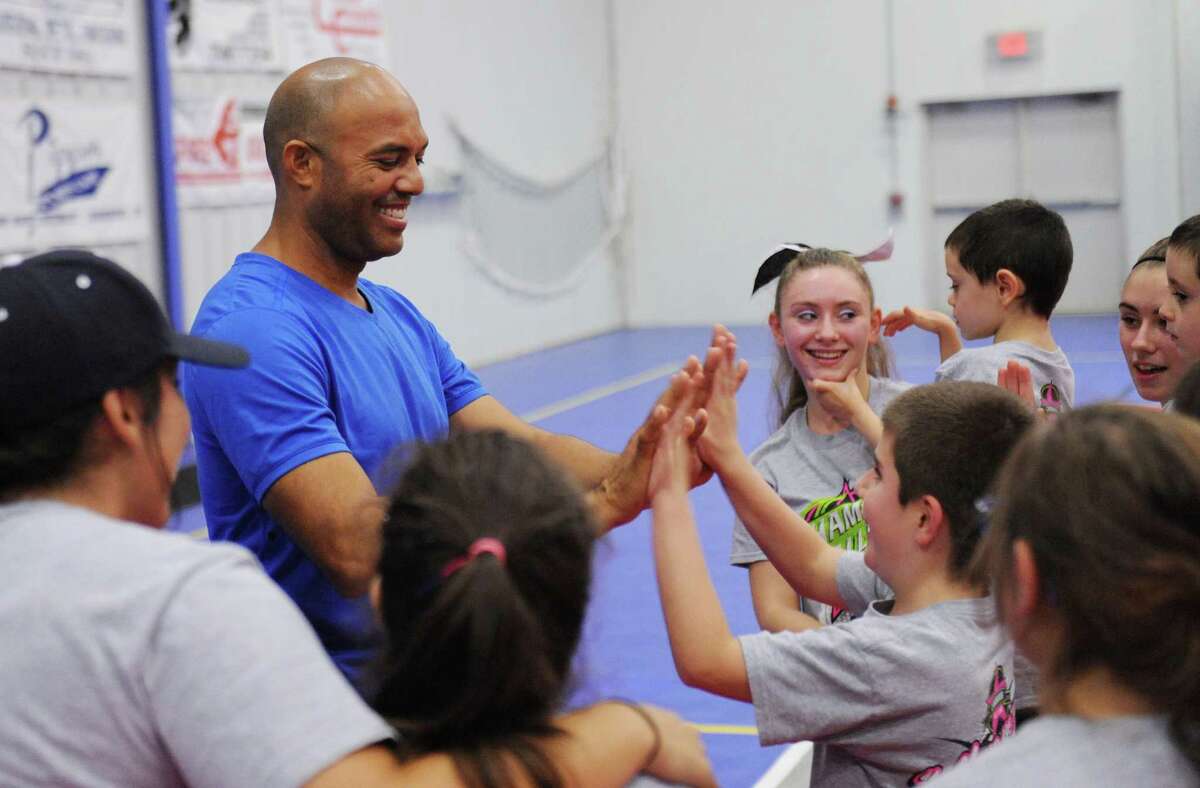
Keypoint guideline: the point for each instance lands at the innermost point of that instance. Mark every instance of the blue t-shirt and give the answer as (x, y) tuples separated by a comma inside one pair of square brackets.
[(324, 377)]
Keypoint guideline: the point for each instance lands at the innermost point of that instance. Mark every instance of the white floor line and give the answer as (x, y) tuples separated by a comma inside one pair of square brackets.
[(616, 387), (600, 392)]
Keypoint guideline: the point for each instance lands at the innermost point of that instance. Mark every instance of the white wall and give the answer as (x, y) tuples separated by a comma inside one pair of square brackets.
[(1087, 45), (745, 126), (1187, 34), (748, 125), (532, 84)]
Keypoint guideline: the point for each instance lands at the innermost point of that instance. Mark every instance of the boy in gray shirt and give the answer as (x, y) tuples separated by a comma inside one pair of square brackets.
[(816, 476), (918, 682), (886, 697), (1008, 265)]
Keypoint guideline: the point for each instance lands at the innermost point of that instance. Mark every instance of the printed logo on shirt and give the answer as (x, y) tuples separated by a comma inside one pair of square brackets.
[(839, 521), (1050, 399), (999, 722)]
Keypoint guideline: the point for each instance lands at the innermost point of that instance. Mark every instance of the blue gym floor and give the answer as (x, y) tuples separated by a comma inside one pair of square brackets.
[(600, 389)]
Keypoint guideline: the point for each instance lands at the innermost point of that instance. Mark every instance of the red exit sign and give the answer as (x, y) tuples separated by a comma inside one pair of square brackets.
[(1014, 45)]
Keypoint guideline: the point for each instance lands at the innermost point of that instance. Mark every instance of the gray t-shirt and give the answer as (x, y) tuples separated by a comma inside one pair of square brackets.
[(1071, 752), (859, 587), (138, 658), (885, 699), (1053, 378), (815, 475)]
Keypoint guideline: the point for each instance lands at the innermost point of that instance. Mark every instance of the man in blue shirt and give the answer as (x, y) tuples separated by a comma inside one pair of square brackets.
[(344, 370), (138, 658)]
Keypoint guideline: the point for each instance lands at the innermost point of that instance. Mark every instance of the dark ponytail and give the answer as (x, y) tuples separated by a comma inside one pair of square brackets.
[(479, 648)]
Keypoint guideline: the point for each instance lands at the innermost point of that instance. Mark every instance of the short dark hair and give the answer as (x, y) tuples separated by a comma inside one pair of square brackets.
[(1106, 499), (476, 663), (45, 455), (1023, 236), (949, 440), (1186, 237)]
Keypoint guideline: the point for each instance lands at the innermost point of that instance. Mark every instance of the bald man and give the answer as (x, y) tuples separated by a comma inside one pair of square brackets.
[(344, 370)]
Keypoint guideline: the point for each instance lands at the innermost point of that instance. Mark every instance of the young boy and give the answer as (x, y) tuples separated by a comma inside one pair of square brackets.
[(1182, 310), (921, 680), (1008, 266)]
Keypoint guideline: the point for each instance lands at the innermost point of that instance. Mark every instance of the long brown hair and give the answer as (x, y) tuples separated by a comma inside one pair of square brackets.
[(790, 394), (478, 652), (1107, 500)]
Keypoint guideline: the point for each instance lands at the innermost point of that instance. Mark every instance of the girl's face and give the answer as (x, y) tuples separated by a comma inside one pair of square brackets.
[(1152, 356), (825, 323)]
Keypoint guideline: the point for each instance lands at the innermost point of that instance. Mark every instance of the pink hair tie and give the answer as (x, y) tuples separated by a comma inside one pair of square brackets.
[(484, 544)]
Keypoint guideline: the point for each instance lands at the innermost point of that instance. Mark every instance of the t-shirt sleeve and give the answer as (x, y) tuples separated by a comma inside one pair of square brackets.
[(274, 415), (460, 385), (241, 691), (858, 584), (815, 684), (968, 364)]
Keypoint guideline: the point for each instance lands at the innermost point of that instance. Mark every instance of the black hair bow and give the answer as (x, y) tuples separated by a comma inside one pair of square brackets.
[(773, 266)]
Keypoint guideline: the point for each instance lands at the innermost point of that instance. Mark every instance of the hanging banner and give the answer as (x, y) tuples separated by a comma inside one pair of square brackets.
[(75, 173), (220, 158), (226, 35), (88, 37), (314, 29)]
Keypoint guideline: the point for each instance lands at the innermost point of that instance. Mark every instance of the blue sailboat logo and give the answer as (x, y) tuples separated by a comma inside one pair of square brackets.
[(77, 184)]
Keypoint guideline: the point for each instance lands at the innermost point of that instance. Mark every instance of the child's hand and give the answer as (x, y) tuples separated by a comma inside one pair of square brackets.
[(844, 401), (949, 341), (1017, 378), (723, 373), (673, 466), (924, 319), (841, 399)]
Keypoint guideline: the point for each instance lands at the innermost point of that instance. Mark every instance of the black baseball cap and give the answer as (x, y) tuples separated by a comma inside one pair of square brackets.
[(73, 326)]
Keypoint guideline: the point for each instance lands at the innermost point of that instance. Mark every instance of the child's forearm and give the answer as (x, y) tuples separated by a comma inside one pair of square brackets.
[(776, 605), (949, 342), (707, 655), (607, 744), (795, 549), (868, 424)]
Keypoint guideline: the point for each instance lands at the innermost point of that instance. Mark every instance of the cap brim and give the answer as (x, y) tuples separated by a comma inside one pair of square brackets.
[(208, 352)]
